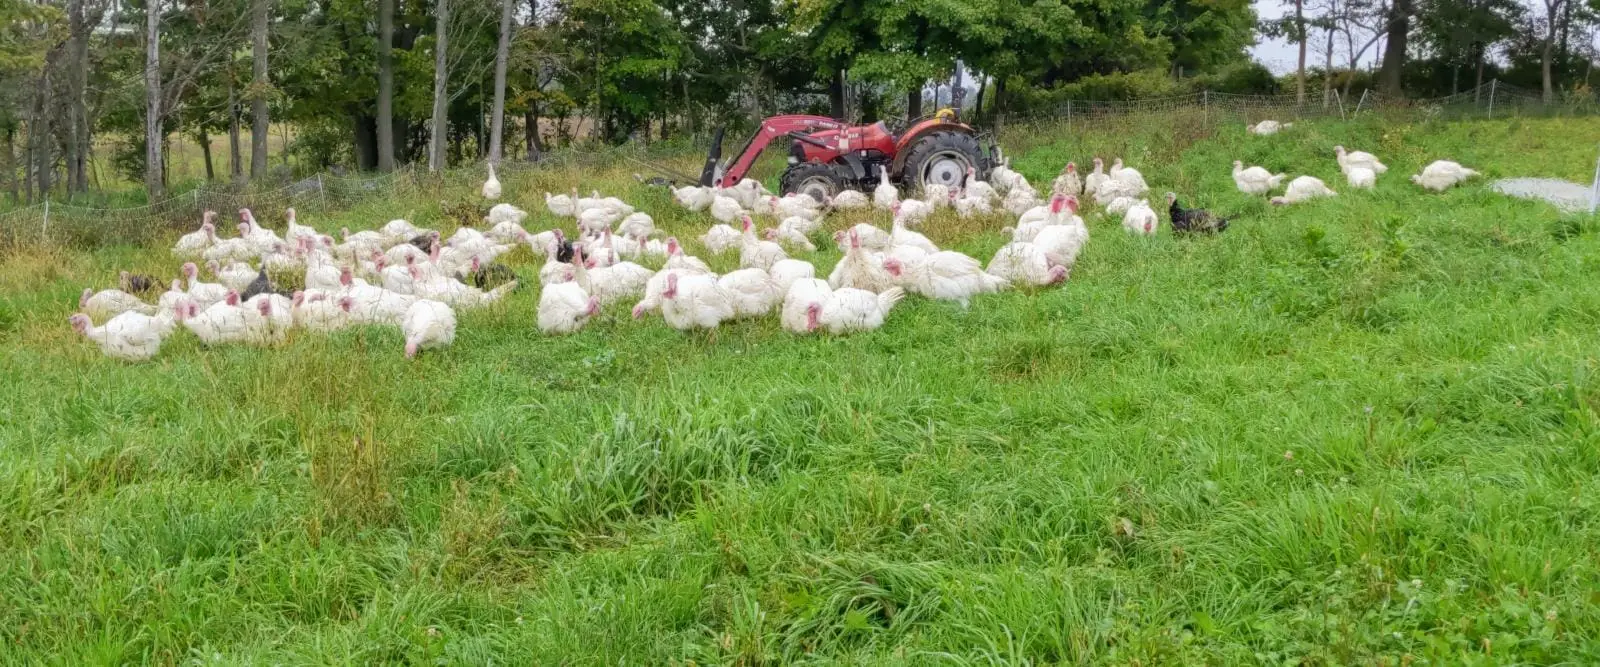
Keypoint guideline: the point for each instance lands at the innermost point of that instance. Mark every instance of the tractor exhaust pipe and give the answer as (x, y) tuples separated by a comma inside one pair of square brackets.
[(708, 174)]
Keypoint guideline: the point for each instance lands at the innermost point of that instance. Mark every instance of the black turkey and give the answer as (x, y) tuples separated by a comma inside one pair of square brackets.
[(137, 283), (1193, 220)]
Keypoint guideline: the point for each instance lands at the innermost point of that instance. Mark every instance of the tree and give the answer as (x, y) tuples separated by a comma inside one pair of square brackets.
[(441, 71), (1300, 38), (155, 181), (385, 122), (1461, 33), (1394, 56), (260, 11), (501, 57), (1552, 11)]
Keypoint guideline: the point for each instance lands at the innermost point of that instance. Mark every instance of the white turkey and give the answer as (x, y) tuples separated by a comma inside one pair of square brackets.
[(562, 205), (233, 275), (1062, 243), (232, 250), (1141, 219), (129, 336), (1254, 180), (592, 221), (294, 232), (1348, 159), (1025, 264), (1362, 178), (497, 214), (747, 192), (967, 206), (798, 301), (221, 322), (491, 192), (399, 231), (676, 259), (850, 200), (860, 268), (1096, 178), (1062, 210), (693, 197), (193, 244), (975, 187), (912, 212), (1128, 175), (694, 301), (850, 310), (934, 195), (900, 236), (638, 225), (721, 238), (106, 304), (1267, 127), (1021, 199), (1302, 189), (751, 292), (946, 275), (1113, 188), (565, 308), (793, 205), (370, 304), (885, 195), (1441, 175), (786, 234), (428, 324), (320, 311), (202, 292), (263, 239), (1119, 206), (1002, 177), (613, 283), (871, 238), (1068, 183), (270, 317), (756, 253), (785, 272), (726, 209)]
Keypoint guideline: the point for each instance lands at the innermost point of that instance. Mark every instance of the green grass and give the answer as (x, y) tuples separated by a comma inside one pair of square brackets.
[(1356, 431)]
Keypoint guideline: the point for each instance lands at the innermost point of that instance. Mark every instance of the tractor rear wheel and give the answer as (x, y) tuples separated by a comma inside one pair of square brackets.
[(811, 178), (940, 158)]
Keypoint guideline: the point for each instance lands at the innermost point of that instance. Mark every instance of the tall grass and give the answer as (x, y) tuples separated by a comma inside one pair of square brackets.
[(1355, 431)]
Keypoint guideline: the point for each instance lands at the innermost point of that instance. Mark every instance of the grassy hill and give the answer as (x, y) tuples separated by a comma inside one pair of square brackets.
[(1355, 431)]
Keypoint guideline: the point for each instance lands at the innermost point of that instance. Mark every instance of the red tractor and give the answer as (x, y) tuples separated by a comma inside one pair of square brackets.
[(827, 156)]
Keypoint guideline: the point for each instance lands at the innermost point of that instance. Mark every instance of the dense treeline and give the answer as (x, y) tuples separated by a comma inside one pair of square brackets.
[(363, 83)]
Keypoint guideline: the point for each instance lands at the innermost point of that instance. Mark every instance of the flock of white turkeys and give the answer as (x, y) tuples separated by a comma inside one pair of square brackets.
[(404, 276)]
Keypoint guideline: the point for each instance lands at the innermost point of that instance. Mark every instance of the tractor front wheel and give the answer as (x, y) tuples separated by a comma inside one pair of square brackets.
[(811, 178), (941, 158)]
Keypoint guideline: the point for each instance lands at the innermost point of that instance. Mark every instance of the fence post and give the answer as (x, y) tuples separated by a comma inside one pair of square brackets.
[(44, 232), (1361, 101), (1594, 192), (1069, 115), (1205, 105), (322, 192)]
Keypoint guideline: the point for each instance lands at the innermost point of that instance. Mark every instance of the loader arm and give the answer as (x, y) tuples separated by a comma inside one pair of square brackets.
[(772, 128)]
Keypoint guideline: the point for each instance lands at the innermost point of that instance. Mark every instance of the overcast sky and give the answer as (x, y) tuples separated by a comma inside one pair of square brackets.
[(1279, 55)]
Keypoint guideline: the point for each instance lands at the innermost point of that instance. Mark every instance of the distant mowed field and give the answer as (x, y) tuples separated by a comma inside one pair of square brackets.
[(1359, 430)]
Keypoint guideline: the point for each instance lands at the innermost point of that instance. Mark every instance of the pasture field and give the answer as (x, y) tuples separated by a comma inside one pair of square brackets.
[(1360, 430)]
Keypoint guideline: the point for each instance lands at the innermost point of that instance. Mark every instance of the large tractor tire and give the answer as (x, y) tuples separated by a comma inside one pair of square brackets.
[(940, 158), (810, 178)]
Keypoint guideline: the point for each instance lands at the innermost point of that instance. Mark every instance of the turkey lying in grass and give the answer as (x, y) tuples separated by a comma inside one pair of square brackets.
[(1441, 175), (1193, 220), (1254, 180), (106, 304), (1301, 189), (129, 336)]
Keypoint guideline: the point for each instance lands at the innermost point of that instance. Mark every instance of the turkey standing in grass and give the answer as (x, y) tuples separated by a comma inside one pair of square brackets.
[(1068, 182), (1193, 220), (1348, 159), (491, 189), (885, 195)]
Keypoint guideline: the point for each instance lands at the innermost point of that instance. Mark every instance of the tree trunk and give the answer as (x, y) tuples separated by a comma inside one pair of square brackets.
[(437, 138), (1327, 73), (40, 132), (154, 178), (497, 118), (205, 149), (983, 86), (531, 132), (1300, 70), (1478, 89), (1394, 55), (386, 85), (77, 86), (1552, 8), (913, 104), (235, 153), (365, 130), (259, 85), (836, 95), (8, 162)]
